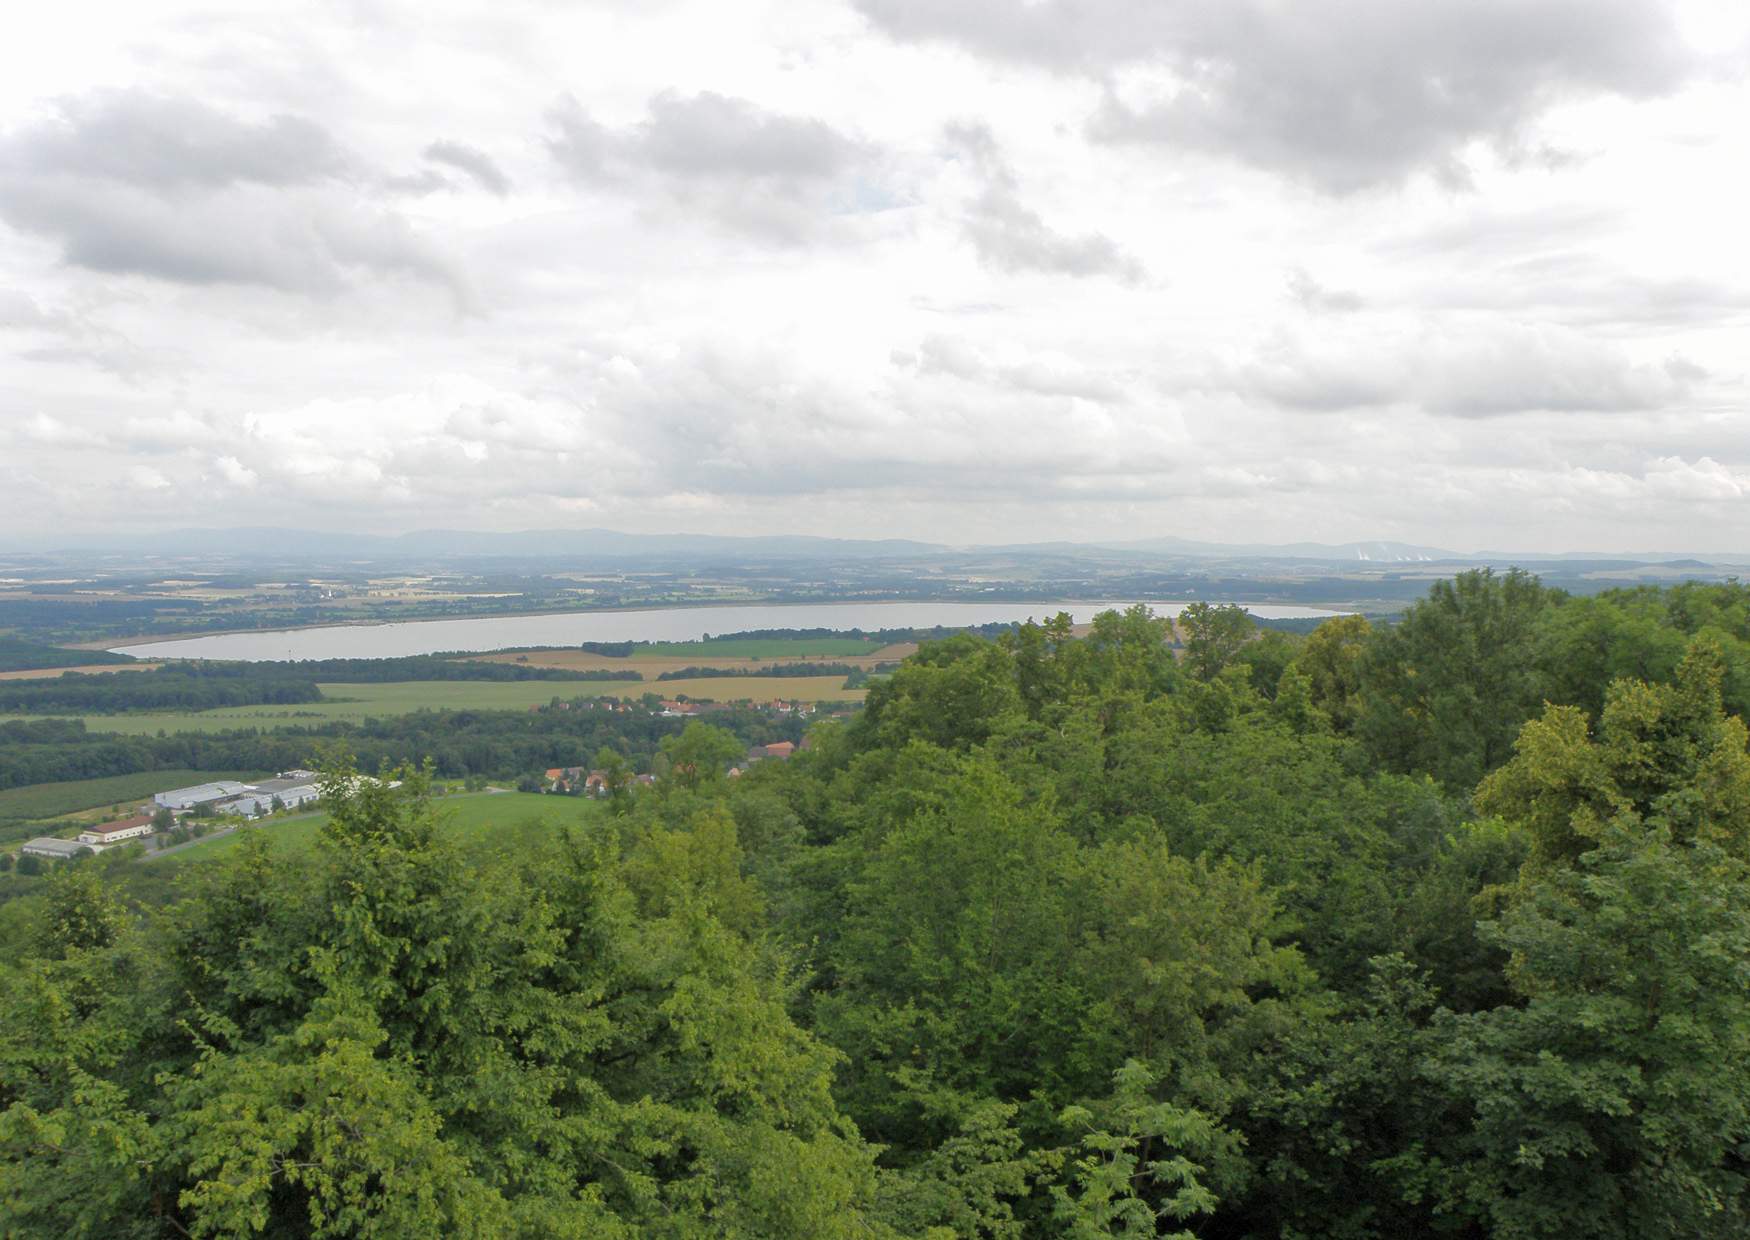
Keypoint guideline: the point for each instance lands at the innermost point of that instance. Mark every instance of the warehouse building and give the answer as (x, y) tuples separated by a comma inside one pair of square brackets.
[(290, 788), (199, 794), (58, 850)]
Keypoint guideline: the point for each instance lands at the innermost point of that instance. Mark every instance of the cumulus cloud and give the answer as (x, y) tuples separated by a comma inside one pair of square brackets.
[(1011, 237), (139, 184), (160, 142), (1342, 95), (234, 472), (767, 174)]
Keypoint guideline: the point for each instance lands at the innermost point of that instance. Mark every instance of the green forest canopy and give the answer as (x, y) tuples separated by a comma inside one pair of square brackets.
[(1435, 929)]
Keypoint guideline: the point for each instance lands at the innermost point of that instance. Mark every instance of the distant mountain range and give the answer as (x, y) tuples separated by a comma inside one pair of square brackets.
[(522, 544), (258, 541)]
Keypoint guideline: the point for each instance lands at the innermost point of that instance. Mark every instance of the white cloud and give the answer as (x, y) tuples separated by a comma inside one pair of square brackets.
[(881, 267)]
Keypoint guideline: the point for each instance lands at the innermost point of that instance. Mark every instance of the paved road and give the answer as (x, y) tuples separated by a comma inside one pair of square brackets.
[(176, 848)]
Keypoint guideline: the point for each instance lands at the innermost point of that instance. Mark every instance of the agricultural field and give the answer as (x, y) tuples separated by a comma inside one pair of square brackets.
[(470, 818), (84, 669), (357, 702), (746, 688), (767, 648), (41, 801), (752, 654)]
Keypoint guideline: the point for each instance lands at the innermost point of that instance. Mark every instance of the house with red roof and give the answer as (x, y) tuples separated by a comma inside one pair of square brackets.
[(117, 831)]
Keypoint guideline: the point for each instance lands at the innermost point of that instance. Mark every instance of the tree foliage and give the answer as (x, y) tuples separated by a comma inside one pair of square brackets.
[(1436, 927)]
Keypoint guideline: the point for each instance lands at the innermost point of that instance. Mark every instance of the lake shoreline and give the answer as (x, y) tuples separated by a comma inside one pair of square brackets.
[(117, 645), (569, 629)]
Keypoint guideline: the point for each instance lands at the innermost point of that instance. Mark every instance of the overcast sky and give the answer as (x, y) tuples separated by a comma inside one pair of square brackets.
[(1471, 273)]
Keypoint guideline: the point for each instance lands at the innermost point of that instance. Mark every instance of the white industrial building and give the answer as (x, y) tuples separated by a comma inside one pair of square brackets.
[(58, 850), (199, 794), (290, 788)]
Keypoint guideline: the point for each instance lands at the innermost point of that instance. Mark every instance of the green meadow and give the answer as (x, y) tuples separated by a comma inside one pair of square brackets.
[(758, 648), (354, 702)]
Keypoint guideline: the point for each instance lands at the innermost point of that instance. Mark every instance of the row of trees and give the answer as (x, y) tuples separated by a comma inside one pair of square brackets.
[(461, 743)]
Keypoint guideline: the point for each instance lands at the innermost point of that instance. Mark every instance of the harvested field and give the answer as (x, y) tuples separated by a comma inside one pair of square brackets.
[(651, 666), (89, 669), (357, 702)]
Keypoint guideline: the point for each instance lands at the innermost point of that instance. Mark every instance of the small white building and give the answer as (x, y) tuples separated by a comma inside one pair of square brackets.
[(57, 850), (116, 832), (199, 794)]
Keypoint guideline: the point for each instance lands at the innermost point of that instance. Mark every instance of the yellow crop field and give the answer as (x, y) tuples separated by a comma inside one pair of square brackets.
[(89, 669), (651, 666)]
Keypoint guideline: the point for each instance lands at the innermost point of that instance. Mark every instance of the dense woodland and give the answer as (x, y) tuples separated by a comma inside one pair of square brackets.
[(1435, 928)]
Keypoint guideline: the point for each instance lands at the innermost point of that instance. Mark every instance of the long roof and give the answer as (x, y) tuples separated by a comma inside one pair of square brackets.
[(199, 792), (49, 843), (273, 787), (121, 824)]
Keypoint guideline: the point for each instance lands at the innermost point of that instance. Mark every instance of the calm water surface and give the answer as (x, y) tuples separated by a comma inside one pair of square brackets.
[(668, 624)]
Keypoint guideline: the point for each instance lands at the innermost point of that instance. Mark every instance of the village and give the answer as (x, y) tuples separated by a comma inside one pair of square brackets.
[(578, 781)]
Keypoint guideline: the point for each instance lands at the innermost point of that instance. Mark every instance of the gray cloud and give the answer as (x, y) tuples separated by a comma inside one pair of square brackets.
[(136, 184), (752, 171), (1476, 372), (64, 335), (1309, 294), (1584, 292), (1040, 376), (711, 136), (1010, 236), (580, 144), (476, 163), (718, 311), (1342, 95), (157, 142), (1489, 234)]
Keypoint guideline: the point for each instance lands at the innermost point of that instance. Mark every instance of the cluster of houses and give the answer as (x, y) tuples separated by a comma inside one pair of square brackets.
[(777, 706), (588, 783), (569, 779), (678, 709), (220, 798)]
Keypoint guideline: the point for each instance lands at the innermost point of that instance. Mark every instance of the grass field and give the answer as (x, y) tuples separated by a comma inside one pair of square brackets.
[(39, 801), (357, 702), (471, 818), (652, 662), (758, 648)]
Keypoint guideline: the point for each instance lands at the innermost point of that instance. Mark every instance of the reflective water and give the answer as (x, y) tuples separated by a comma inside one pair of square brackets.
[(375, 641)]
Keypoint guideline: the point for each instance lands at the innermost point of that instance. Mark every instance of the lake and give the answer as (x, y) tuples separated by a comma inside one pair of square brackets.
[(667, 624)]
